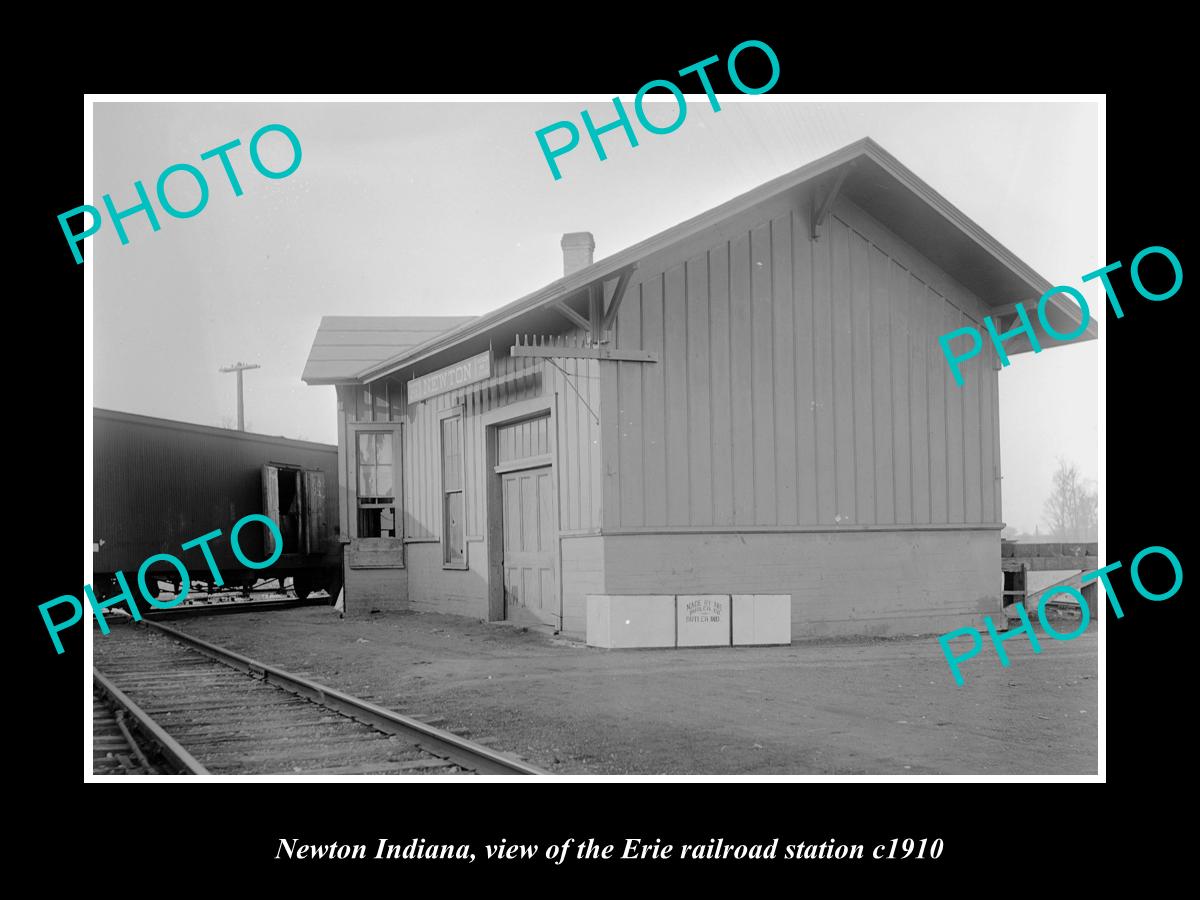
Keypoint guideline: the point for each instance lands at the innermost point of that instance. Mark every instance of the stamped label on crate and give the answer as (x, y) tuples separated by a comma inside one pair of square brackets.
[(703, 620)]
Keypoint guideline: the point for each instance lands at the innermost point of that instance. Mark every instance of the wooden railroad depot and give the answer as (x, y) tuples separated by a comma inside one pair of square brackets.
[(746, 414)]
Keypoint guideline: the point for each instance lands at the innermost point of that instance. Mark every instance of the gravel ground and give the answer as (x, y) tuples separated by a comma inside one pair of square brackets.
[(857, 706)]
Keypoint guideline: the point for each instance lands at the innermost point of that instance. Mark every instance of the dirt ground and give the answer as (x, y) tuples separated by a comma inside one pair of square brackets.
[(861, 706)]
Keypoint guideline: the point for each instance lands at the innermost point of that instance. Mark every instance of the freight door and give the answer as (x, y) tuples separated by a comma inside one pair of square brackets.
[(529, 545)]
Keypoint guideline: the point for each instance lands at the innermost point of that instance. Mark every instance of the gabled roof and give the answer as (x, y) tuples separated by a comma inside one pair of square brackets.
[(873, 179), (345, 345)]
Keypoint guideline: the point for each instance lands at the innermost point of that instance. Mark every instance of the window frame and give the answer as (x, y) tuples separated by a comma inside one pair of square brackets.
[(457, 413), (379, 543)]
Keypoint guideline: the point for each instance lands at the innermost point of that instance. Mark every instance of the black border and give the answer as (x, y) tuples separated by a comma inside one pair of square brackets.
[(987, 827)]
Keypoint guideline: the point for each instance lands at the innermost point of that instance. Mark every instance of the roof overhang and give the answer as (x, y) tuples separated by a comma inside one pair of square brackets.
[(570, 287), (922, 217), (870, 177), (344, 345)]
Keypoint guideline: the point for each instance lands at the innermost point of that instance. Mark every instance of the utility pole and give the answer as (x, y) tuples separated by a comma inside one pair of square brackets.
[(239, 367)]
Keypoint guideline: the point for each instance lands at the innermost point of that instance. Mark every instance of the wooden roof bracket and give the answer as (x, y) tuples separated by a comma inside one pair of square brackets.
[(610, 314), (574, 317), (599, 321), (821, 207)]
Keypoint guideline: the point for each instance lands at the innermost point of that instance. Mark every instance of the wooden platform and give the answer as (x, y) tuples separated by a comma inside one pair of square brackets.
[(1018, 558)]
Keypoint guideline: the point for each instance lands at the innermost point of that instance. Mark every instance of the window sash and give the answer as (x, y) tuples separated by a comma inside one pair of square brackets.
[(376, 485), (454, 544), (375, 477)]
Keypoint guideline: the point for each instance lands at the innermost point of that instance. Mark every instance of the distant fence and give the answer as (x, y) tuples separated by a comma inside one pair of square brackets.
[(1049, 557)]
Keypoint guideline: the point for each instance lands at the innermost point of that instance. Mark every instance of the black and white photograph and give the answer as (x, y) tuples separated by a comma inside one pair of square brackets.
[(443, 438)]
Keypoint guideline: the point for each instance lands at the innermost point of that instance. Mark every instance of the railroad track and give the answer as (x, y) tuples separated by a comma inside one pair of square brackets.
[(207, 710), (220, 605), (115, 750)]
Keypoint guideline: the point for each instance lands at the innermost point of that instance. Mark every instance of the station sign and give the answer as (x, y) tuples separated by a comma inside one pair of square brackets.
[(477, 368)]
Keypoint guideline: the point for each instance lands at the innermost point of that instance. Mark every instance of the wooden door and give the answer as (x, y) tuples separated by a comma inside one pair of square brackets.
[(312, 506), (529, 544), (270, 492)]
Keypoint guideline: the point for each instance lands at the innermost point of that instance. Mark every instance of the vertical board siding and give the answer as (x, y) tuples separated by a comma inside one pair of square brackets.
[(885, 476), (784, 354), (987, 462), (918, 396), (935, 324), (763, 382), (902, 467), (675, 369), (740, 355), (699, 393), (590, 372), (577, 437), (972, 432), (995, 418), (843, 373), (722, 411), (654, 393), (629, 399), (824, 426), (523, 440), (801, 382), (861, 364), (805, 349), (954, 424)]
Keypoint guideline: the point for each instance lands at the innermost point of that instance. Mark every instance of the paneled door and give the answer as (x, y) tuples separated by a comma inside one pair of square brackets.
[(529, 545)]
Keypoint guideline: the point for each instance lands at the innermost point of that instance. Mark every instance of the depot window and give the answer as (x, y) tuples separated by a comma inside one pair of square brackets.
[(376, 485), (454, 550)]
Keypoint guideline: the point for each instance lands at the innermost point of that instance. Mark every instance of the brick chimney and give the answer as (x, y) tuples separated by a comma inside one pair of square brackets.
[(577, 247)]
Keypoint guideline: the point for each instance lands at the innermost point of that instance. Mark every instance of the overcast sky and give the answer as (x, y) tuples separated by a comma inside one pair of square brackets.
[(450, 209)]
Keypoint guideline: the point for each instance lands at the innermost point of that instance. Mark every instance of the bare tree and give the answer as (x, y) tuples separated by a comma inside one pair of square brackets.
[(1090, 513), (1071, 510)]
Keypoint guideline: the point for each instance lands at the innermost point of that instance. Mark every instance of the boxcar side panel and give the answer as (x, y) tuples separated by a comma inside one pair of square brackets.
[(159, 484)]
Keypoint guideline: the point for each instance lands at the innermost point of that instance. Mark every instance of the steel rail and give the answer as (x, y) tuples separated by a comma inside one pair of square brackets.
[(230, 607), (133, 742), (170, 748), (457, 750)]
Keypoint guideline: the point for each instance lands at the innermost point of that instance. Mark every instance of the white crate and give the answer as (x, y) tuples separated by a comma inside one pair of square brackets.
[(762, 619), (703, 620), (640, 620)]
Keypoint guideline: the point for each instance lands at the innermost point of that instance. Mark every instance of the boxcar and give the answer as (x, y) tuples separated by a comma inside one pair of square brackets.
[(159, 484)]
